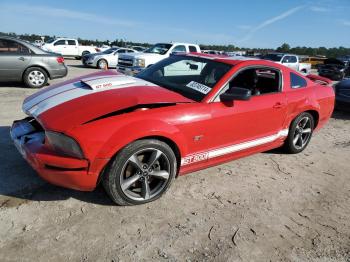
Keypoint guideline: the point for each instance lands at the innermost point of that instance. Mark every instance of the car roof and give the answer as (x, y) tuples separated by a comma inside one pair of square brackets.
[(176, 43)]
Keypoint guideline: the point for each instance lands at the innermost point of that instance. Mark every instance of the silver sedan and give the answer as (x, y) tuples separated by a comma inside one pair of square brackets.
[(22, 61), (107, 58)]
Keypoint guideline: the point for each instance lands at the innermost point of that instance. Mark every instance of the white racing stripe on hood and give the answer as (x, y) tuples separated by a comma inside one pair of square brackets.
[(55, 91), (60, 95)]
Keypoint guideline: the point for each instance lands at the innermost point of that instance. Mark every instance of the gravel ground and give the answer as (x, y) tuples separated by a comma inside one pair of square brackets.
[(267, 207)]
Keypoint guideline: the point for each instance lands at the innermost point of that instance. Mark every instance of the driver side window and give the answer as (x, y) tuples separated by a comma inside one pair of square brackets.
[(259, 80), (60, 42), (286, 59), (179, 48)]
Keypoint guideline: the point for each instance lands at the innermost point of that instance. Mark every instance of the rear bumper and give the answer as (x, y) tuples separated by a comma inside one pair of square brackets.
[(55, 168), (59, 72)]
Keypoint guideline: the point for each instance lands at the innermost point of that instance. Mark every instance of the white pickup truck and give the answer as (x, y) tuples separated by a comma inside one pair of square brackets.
[(68, 47), (133, 63), (291, 61)]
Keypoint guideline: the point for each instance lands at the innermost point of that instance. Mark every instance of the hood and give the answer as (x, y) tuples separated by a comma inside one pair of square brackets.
[(77, 101)]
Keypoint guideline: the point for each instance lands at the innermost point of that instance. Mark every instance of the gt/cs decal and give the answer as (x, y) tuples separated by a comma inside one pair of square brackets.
[(194, 158)]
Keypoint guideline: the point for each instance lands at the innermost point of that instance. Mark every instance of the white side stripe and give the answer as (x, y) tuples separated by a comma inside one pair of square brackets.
[(233, 148)]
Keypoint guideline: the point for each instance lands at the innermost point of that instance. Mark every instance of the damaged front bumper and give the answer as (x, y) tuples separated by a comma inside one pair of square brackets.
[(65, 171)]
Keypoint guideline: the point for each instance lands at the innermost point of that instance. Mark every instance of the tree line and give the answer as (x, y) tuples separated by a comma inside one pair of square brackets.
[(284, 48)]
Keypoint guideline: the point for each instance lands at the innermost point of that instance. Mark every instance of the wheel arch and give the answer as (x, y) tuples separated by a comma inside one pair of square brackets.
[(39, 66), (315, 115), (170, 142), (98, 61), (172, 145)]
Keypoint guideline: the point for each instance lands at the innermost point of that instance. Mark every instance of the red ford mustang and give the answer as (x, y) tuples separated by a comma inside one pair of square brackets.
[(185, 113)]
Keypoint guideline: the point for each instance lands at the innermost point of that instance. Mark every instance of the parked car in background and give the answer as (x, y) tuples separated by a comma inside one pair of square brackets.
[(102, 48), (38, 43), (136, 134), (68, 47), (291, 61), (108, 58), (342, 95), (22, 61), (138, 48), (314, 61), (345, 58), (334, 69), (132, 64), (211, 52)]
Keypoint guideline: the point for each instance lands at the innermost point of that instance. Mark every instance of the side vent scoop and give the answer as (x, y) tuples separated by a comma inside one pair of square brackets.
[(108, 82)]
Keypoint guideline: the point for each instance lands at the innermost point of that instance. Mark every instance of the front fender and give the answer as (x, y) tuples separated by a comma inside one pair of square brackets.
[(138, 130)]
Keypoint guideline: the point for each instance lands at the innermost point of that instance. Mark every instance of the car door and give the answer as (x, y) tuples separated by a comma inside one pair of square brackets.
[(291, 62), (14, 58), (71, 48), (113, 59), (246, 125), (60, 47)]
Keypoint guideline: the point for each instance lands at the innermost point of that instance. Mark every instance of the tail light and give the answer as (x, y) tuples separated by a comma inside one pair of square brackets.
[(97, 49), (60, 59)]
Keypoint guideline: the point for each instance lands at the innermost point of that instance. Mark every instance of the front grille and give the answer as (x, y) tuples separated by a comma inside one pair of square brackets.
[(125, 62)]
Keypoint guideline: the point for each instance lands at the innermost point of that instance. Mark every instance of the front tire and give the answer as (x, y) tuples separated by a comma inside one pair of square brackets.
[(35, 77), (141, 172), (102, 64), (85, 53), (300, 132)]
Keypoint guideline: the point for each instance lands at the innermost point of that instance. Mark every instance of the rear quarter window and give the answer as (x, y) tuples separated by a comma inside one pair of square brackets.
[(192, 48), (297, 81)]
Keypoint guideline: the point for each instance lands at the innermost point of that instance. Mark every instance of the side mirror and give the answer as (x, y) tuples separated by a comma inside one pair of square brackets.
[(235, 93), (193, 67)]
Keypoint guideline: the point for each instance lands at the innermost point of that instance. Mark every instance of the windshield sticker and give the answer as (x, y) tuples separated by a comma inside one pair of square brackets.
[(199, 87)]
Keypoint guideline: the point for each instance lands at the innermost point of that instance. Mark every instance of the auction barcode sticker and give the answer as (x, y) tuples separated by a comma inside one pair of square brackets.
[(199, 87)]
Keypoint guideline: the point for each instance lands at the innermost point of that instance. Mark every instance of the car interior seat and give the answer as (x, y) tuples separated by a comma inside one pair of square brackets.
[(247, 79)]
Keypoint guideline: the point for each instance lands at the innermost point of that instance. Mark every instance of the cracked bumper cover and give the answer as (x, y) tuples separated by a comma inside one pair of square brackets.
[(55, 168)]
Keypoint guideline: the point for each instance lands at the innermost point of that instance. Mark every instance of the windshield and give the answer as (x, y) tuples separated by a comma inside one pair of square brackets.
[(192, 77), (50, 40), (109, 51), (159, 49), (273, 57)]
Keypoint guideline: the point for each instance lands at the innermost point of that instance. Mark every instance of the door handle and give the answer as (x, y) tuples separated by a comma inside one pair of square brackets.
[(278, 105), (21, 58)]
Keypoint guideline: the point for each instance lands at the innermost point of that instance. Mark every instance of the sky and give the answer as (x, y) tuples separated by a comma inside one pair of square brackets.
[(252, 23)]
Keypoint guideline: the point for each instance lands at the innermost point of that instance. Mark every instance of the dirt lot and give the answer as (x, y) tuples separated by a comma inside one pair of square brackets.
[(267, 207)]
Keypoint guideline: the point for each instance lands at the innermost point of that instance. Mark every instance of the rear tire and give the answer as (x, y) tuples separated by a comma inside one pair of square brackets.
[(300, 133), (35, 77), (141, 172)]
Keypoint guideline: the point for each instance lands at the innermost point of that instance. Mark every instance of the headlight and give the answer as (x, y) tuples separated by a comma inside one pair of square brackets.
[(64, 144), (140, 62)]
